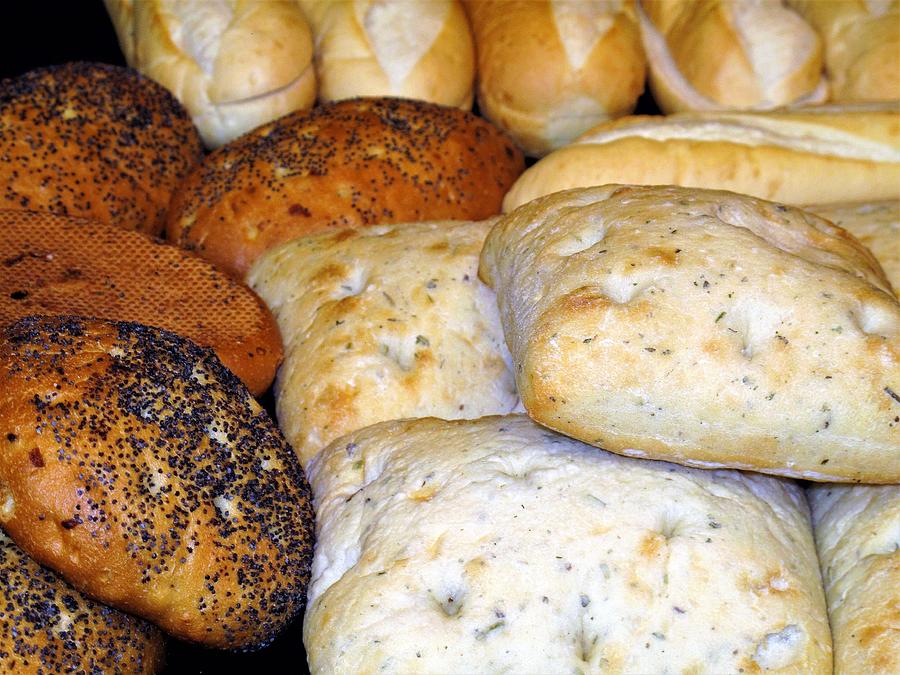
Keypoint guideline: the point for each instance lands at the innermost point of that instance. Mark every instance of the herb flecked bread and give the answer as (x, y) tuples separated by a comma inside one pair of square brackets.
[(494, 545), (382, 323), (857, 532), (701, 327)]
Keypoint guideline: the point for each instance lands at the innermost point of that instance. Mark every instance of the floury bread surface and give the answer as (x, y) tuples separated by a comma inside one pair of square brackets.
[(857, 532), (701, 327), (494, 545), (382, 323)]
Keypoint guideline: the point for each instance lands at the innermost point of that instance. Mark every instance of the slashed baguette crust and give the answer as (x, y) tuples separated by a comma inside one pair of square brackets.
[(815, 155), (382, 323), (857, 532), (494, 545), (701, 327)]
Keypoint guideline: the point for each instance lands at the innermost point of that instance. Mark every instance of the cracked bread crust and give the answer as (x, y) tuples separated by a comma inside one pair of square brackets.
[(701, 327)]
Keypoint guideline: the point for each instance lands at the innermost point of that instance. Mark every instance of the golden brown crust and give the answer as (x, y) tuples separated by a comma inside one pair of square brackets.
[(141, 470), (93, 140), (46, 626), (56, 265), (356, 162)]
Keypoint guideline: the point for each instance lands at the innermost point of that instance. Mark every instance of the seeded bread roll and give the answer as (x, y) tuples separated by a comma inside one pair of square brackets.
[(235, 64), (141, 470), (493, 545), (46, 626), (86, 139), (812, 156), (701, 327), (381, 323), (54, 265), (875, 224), (549, 70), (420, 50), (857, 532), (357, 162), (730, 54)]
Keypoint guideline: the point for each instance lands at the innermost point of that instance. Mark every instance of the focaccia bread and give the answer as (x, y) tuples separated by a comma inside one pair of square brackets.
[(382, 323), (813, 156), (857, 532), (875, 224), (493, 545), (701, 327)]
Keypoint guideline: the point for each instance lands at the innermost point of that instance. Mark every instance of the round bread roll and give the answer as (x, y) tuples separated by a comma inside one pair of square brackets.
[(86, 139), (356, 162), (141, 470), (46, 626), (56, 265)]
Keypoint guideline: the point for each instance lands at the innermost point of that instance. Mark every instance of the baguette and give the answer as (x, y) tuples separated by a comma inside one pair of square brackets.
[(816, 155)]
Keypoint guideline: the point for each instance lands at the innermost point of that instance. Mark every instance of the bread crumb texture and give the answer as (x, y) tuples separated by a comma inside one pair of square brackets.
[(138, 467), (495, 545)]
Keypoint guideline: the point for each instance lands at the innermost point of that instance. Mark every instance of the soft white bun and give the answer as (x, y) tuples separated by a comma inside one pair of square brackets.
[(420, 50), (234, 64)]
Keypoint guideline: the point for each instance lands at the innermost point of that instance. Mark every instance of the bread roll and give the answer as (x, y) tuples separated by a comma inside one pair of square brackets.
[(875, 224), (549, 70), (862, 46), (143, 472), (381, 323), (819, 155), (55, 265), (493, 545), (46, 626), (235, 64), (730, 54), (420, 50), (701, 327), (86, 139), (351, 163), (858, 538)]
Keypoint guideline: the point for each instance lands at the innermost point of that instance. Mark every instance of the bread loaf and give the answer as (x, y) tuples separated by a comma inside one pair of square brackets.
[(46, 626), (818, 155), (91, 140), (358, 162), (875, 224), (862, 46), (701, 327), (142, 471), (492, 545), (420, 50), (235, 64), (549, 70), (857, 533), (381, 323), (730, 54), (54, 265)]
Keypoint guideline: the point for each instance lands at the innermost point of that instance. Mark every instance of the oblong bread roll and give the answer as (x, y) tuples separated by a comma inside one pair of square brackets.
[(857, 532), (816, 155), (701, 327), (55, 265), (494, 545)]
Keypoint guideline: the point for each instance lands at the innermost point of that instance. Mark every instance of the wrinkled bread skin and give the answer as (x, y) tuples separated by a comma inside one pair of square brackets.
[(494, 545), (383, 323), (527, 82), (857, 532), (393, 48), (701, 327), (875, 224), (815, 155)]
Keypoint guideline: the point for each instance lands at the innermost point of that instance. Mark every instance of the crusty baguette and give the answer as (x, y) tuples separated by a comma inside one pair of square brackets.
[(234, 64), (815, 155), (407, 48), (550, 69), (730, 54)]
